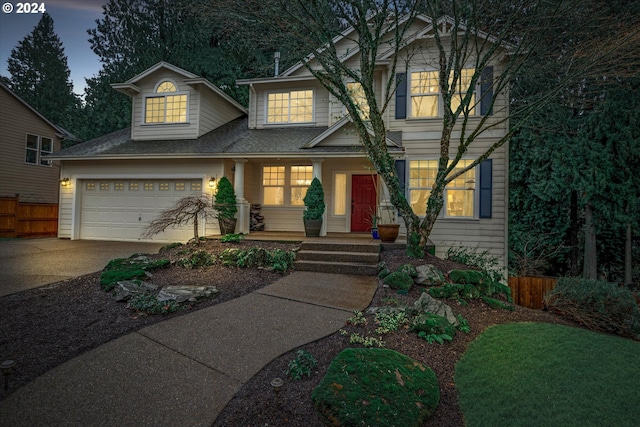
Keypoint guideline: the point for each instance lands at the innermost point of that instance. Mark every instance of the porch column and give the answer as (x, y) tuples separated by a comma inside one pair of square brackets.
[(387, 211), (242, 204), (317, 173)]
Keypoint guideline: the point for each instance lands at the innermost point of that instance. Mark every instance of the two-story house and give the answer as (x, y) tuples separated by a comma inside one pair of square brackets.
[(186, 134), (26, 138)]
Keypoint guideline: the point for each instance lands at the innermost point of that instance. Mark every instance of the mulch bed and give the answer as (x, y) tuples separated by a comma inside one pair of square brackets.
[(44, 327)]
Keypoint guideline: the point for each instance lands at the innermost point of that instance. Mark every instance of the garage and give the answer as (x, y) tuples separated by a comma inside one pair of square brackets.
[(121, 209)]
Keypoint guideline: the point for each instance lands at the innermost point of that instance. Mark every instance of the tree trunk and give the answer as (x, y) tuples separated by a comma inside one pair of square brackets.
[(573, 234), (590, 268), (434, 207), (196, 238), (628, 268)]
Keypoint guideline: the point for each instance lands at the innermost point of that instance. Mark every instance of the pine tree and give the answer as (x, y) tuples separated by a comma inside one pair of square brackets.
[(40, 74)]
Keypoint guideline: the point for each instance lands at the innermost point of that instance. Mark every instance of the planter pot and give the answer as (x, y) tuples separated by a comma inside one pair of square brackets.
[(312, 227), (227, 225), (374, 233), (388, 232)]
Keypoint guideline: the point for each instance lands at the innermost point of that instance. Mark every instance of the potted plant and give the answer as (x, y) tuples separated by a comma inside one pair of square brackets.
[(388, 230), (225, 206), (373, 222), (313, 209)]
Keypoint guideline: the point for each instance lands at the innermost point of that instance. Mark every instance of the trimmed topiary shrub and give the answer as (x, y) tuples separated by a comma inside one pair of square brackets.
[(398, 280), (597, 304), (376, 387)]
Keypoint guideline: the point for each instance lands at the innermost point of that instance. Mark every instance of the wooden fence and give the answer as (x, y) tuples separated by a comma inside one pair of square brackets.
[(529, 291), (19, 219)]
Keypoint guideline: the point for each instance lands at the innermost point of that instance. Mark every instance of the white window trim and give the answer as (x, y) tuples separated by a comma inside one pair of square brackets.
[(442, 214), (155, 94), (38, 150), (266, 107), (440, 103), (286, 198)]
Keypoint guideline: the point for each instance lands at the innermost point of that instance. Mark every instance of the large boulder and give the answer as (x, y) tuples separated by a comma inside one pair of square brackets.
[(427, 304), (124, 289), (429, 275), (398, 280), (186, 293)]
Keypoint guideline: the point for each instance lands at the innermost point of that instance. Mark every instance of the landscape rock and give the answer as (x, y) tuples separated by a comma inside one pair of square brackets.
[(427, 304), (429, 275), (186, 293), (124, 289)]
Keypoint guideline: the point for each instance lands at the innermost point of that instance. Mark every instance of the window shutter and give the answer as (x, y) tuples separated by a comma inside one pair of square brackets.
[(486, 91), (401, 96), (485, 187), (401, 168)]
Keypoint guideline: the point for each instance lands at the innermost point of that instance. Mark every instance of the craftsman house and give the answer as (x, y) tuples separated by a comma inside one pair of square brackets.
[(186, 134)]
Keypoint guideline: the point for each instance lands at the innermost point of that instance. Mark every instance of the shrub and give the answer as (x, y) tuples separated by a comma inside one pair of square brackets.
[(471, 277), (376, 387), (482, 260), (303, 363), (398, 280), (149, 304), (597, 304), (225, 200), (197, 259), (314, 201), (278, 260), (232, 238)]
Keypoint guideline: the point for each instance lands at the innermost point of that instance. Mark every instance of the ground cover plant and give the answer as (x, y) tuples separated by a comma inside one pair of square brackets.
[(548, 375), (44, 327)]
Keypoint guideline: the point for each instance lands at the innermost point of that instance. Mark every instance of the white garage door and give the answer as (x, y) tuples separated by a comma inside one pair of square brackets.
[(121, 209)]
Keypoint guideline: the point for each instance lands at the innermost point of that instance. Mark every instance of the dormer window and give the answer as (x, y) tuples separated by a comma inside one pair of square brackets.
[(167, 105)]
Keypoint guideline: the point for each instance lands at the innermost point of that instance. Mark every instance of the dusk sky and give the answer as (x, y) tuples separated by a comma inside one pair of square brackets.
[(71, 20)]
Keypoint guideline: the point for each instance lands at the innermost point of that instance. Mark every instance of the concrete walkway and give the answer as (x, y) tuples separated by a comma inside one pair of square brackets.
[(183, 371)]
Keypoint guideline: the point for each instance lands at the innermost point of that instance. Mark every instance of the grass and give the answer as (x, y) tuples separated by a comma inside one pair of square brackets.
[(534, 374)]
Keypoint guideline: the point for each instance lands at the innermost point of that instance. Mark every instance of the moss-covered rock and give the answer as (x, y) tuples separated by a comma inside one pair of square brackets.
[(433, 324), (409, 269), (376, 387), (399, 280), (134, 267), (470, 277)]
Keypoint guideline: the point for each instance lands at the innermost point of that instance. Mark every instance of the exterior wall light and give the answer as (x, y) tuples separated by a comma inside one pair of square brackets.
[(65, 182), (212, 182)]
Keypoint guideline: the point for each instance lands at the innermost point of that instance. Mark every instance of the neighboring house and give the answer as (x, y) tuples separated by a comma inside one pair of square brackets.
[(26, 137), (187, 133)]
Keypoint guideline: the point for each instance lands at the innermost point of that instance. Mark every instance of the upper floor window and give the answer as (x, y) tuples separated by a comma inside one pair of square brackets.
[(166, 106), (359, 99), (426, 98), (294, 106), (459, 194), (36, 148)]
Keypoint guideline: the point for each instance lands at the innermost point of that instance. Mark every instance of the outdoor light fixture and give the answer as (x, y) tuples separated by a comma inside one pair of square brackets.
[(6, 367), (277, 384), (64, 181), (212, 182)]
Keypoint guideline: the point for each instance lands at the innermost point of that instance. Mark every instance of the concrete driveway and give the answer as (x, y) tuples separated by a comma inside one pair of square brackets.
[(30, 263)]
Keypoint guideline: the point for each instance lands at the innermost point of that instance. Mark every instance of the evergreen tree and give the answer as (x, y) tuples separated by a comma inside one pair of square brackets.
[(40, 75), (134, 35)]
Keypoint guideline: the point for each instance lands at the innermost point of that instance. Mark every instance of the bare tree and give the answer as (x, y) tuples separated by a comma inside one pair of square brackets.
[(190, 209), (467, 34)]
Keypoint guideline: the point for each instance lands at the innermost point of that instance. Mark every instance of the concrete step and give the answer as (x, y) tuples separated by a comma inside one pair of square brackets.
[(357, 269), (340, 246), (330, 256), (338, 257)]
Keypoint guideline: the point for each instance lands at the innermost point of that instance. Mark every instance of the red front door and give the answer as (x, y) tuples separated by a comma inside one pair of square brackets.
[(363, 201)]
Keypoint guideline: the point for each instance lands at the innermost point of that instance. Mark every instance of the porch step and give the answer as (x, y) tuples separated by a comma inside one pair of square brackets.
[(338, 258)]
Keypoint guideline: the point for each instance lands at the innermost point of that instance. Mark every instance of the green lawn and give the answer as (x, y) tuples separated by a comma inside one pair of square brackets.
[(536, 374)]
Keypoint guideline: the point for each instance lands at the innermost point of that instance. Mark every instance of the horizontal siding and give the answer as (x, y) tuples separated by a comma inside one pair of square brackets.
[(282, 219), (214, 111), (164, 131), (34, 183)]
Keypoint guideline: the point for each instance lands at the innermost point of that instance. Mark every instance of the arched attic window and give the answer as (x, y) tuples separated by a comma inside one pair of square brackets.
[(166, 105)]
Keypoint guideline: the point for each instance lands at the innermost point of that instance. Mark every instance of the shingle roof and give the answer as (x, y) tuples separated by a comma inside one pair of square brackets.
[(234, 138)]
